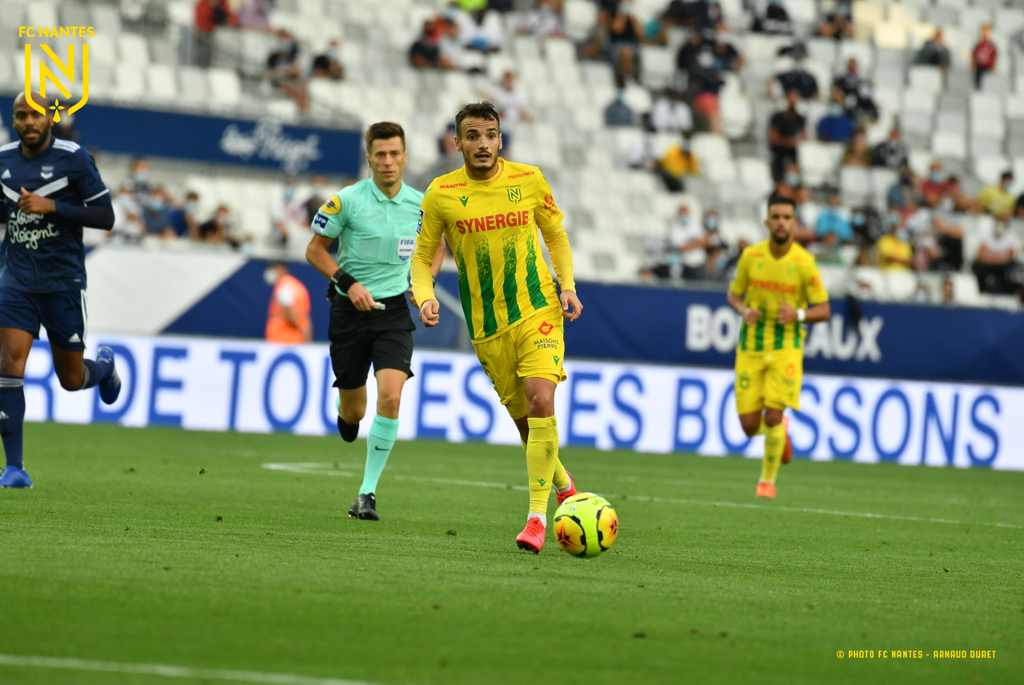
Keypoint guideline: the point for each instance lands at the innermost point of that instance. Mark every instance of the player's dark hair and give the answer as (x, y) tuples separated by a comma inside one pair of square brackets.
[(478, 110), (780, 200), (384, 130)]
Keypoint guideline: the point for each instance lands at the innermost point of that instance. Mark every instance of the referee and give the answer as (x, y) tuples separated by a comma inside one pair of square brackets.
[(375, 221)]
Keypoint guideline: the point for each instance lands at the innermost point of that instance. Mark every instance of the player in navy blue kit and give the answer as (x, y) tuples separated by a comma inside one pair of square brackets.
[(51, 190)]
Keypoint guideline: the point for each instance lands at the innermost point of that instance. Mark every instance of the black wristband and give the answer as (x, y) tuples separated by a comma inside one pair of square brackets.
[(343, 280)]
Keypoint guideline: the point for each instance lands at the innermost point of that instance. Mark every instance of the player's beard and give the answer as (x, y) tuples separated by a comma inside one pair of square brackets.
[(473, 163), (782, 240), (41, 140)]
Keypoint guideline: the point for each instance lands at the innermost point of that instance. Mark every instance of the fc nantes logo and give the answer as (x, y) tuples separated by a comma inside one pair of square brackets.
[(515, 193)]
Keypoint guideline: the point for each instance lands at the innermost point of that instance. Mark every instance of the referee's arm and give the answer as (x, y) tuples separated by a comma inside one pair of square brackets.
[(320, 258)]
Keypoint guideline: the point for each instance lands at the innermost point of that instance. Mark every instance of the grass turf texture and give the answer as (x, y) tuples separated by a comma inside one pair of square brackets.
[(174, 547)]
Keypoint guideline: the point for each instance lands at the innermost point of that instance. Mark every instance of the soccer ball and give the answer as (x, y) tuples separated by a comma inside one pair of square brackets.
[(586, 525)]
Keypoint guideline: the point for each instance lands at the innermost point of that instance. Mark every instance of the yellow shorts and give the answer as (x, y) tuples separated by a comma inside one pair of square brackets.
[(768, 379), (534, 348)]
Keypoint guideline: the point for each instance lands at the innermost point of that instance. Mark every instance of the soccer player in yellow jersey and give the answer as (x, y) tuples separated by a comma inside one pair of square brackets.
[(489, 212), (775, 282)]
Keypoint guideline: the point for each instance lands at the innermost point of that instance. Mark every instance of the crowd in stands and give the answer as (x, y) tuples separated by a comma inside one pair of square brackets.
[(919, 228)]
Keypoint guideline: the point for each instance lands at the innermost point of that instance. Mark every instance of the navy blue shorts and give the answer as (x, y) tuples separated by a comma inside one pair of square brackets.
[(62, 313)]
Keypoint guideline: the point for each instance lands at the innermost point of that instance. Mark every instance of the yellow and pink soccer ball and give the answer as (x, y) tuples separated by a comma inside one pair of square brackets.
[(586, 525)]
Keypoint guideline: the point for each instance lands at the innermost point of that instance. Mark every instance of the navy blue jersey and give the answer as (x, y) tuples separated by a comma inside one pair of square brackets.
[(43, 253)]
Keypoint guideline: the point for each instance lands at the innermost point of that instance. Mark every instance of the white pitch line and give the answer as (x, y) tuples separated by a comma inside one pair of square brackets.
[(310, 468), (171, 671)]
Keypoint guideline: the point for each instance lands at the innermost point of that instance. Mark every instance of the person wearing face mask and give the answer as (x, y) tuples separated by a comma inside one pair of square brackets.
[(283, 71), (837, 22), (288, 321), (289, 215), (688, 242), (995, 258), (893, 153), (996, 199), (618, 113), (837, 126), (678, 162), (328, 63), (895, 253), (156, 214)]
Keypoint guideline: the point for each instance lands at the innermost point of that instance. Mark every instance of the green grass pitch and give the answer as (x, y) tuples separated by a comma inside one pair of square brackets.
[(181, 548)]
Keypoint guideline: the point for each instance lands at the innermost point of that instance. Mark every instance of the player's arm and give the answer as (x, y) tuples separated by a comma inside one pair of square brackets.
[(549, 219), (435, 267), (421, 271), (327, 225), (737, 291), (95, 210), (817, 298)]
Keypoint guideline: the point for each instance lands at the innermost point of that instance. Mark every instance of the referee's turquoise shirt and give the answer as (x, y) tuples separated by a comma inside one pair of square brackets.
[(377, 234)]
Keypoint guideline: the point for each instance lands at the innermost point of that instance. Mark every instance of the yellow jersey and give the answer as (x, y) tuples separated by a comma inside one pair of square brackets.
[(491, 227), (765, 283)]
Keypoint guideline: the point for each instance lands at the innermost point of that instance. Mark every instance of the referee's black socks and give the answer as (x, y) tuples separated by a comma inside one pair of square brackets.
[(349, 431)]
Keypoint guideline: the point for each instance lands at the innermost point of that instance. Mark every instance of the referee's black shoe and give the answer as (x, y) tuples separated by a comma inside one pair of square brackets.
[(364, 508), (349, 431)]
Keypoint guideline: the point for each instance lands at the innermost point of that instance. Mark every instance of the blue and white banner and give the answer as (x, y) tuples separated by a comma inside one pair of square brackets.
[(250, 386), (265, 143)]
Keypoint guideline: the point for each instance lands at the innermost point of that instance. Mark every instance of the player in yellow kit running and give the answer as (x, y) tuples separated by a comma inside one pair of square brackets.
[(775, 282), (489, 212)]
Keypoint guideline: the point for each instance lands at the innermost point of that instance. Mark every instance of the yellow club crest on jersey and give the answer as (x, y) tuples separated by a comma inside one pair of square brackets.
[(332, 206)]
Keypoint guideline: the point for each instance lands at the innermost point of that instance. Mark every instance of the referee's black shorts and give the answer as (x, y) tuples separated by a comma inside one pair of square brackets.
[(358, 339)]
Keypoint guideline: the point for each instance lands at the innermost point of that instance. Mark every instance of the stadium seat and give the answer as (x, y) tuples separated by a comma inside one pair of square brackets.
[(891, 34), (161, 82), (900, 285), (868, 13), (41, 13), (802, 11), (903, 13), (658, 66), (193, 86), (225, 88), (881, 180), (12, 13), (128, 81), (989, 168), (971, 19), (873, 278), (737, 114), (105, 19), (580, 18), (925, 79), (1009, 20), (822, 50), (855, 185), (965, 289), (861, 50), (949, 144), (133, 48), (818, 161), (102, 50), (756, 175)]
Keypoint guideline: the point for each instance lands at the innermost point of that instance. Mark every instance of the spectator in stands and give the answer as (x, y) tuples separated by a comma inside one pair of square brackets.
[(837, 22), (688, 243), (996, 199), (867, 226), (995, 258), (328, 65), (920, 226), (317, 197), (211, 14), (288, 215), (155, 214), (893, 153), (895, 252), (618, 113), (903, 191), (865, 110), (424, 53), (190, 216), (710, 17), (772, 18), (948, 292), (934, 52), (671, 114), (475, 32), (511, 100), (449, 159), (288, 320), (678, 162), (797, 78), (832, 221), (949, 236), (128, 224), (785, 131), (451, 45), (984, 55), (284, 72), (791, 186), (936, 185), (857, 153), (138, 180), (849, 82), (837, 125), (254, 15), (624, 35), (215, 230), (961, 201), (689, 52), (543, 21)]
